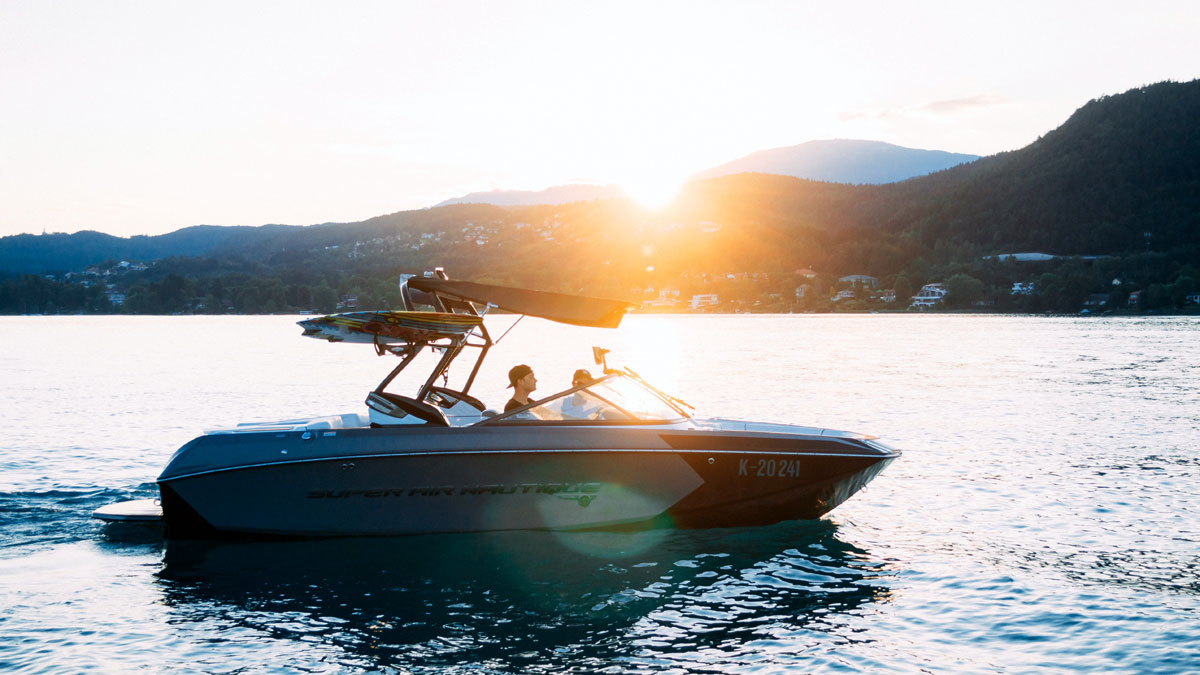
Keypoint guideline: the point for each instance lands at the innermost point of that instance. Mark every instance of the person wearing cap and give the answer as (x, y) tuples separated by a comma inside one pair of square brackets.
[(580, 378), (580, 405), (523, 383)]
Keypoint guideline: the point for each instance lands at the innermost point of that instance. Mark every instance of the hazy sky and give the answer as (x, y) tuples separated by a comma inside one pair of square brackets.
[(145, 117)]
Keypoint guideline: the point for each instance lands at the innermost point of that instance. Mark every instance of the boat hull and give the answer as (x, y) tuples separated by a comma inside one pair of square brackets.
[(389, 482)]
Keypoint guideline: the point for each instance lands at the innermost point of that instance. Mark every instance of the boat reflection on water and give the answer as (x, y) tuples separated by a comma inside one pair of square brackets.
[(529, 601)]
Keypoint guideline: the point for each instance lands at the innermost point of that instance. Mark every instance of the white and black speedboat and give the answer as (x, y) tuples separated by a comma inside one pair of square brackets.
[(612, 454)]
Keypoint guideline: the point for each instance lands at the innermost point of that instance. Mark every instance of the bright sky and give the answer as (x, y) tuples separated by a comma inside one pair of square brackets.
[(145, 117)]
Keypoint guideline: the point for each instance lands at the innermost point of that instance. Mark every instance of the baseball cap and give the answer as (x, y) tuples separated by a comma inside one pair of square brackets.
[(517, 373)]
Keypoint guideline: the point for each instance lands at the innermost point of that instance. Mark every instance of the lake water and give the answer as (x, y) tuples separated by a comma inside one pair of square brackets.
[(1044, 517)]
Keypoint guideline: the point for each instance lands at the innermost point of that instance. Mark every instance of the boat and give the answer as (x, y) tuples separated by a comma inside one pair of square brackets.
[(615, 453)]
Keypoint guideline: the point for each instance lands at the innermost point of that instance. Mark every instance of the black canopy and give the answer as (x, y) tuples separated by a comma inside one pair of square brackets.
[(572, 309)]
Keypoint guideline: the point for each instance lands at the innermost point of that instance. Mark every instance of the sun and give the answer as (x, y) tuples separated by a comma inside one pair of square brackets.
[(653, 192)]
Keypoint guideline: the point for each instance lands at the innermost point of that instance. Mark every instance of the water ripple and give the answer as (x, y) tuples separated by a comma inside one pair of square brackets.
[(1043, 519)]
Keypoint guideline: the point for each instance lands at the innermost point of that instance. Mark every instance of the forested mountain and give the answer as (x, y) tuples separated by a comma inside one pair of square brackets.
[(1122, 175), (1119, 180), (842, 161), (1120, 169), (28, 253)]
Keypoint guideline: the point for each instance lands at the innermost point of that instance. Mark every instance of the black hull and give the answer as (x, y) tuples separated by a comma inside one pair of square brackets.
[(373, 482)]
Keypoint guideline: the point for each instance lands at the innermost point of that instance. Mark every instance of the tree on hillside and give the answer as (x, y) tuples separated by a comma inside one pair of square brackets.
[(962, 290), (903, 290)]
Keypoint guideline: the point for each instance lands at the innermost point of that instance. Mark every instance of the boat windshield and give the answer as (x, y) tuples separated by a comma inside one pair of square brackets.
[(615, 397)]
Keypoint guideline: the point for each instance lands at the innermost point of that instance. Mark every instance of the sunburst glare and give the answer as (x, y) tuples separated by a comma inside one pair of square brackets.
[(653, 191)]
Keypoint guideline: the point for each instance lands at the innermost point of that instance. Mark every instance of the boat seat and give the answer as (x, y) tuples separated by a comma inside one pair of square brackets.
[(449, 397), (345, 421), (400, 407)]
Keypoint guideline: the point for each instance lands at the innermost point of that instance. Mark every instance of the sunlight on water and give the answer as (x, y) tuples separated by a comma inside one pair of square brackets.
[(1043, 517), (654, 349)]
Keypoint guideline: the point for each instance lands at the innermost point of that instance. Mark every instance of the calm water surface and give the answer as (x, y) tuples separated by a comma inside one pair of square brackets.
[(1045, 515)]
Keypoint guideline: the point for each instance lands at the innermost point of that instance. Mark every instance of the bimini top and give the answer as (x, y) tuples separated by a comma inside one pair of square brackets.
[(454, 314), (453, 321), (573, 309)]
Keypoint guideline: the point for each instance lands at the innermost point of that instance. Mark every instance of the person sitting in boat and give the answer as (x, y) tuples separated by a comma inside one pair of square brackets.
[(580, 405), (523, 383), (580, 378)]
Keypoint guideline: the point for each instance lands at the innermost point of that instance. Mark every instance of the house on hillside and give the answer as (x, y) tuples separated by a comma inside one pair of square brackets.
[(704, 300), (930, 295), (1022, 257), (668, 298), (860, 280), (1022, 288)]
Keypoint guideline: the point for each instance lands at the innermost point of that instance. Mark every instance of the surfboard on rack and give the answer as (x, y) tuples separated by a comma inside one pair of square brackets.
[(387, 327)]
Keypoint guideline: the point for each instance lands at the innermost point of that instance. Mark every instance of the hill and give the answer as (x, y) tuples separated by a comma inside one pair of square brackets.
[(1120, 179), (842, 161), (36, 254), (1122, 174)]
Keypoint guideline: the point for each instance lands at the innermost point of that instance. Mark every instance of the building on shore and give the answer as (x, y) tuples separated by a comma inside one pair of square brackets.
[(704, 300), (930, 295), (860, 280)]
